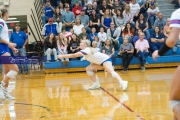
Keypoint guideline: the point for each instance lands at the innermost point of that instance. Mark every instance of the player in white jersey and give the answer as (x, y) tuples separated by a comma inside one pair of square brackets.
[(175, 84), (10, 70), (96, 59)]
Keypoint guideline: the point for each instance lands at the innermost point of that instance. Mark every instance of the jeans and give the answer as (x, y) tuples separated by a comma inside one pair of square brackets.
[(88, 29), (60, 26), (113, 57), (151, 21), (116, 44), (147, 34), (126, 59), (142, 57), (50, 51), (21, 52), (155, 46), (62, 59)]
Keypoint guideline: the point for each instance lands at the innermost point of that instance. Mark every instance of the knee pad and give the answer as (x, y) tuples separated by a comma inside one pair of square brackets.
[(114, 74), (173, 103), (12, 74), (90, 73)]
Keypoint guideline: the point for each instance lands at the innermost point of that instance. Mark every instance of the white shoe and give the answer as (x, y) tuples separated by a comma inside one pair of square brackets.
[(6, 94), (94, 86), (124, 85)]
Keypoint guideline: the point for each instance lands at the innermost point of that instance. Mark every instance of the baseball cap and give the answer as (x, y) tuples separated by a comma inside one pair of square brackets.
[(17, 24), (50, 20)]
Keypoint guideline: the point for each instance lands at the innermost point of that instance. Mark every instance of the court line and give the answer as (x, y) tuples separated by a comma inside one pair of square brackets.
[(128, 108)]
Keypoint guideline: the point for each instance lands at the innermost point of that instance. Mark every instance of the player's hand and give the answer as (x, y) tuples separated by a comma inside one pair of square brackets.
[(155, 55), (11, 45), (60, 56), (15, 50)]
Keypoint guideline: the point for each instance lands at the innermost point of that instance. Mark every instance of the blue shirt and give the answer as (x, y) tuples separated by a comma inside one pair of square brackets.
[(91, 36), (68, 17), (153, 35), (48, 12), (47, 29), (18, 38)]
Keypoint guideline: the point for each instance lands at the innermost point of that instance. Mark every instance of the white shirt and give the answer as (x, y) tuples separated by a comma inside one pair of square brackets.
[(134, 8), (96, 58), (175, 19), (4, 33), (78, 29), (102, 36), (156, 10)]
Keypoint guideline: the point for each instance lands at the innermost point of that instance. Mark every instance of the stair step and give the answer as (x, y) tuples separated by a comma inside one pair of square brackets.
[(166, 6), (167, 11), (161, 2)]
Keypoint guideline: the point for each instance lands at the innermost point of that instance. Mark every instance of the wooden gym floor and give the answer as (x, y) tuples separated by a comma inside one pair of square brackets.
[(64, 96)]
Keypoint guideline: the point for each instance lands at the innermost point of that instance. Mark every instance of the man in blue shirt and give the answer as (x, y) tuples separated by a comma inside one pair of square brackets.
[(48, 12), (20, 38)]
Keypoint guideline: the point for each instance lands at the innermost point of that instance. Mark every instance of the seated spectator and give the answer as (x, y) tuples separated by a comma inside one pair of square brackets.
[(106, 20), (61, 8), (108, 49), (127, 50), (73, 3), (62, 48), (142, 47), (136, 38), (78, 27), (77, 9), (135, 9), (50, 47), (83, 34), (113, 35), (160, 21), (142, 4), (92, 35), (58, 18), (89, 9), (157, 39), (84, 20), (128, 15), (104, 7), (128, 32), (74, 44), (98, 43), (94, 20), (48, 12), (143, 25), (119, 19), (102, 36), (68, 18), (116, 7), (153, 11), (68, 34), (94, 45), (50, 27), (167, 28), (66, 2), (149, 2)]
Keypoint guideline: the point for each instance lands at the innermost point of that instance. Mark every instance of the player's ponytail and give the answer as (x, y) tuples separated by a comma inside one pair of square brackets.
[(87, 42)]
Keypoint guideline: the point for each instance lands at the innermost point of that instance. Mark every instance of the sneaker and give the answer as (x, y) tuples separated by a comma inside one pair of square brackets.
[(6, 94), (94, 86), (142, 68), (64, 62), (67, 62), (124, 85), (57, 60), (146, 63), (47, 61)]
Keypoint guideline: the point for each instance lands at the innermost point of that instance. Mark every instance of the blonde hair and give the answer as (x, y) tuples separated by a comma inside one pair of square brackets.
[(87, 42), (127, 11)]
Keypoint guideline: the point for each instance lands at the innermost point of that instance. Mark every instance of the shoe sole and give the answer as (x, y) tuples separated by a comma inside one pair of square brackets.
[(126, 86), (94, 88)]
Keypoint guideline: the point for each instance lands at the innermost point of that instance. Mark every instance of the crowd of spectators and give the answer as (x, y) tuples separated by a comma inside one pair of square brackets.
[(139, 22)]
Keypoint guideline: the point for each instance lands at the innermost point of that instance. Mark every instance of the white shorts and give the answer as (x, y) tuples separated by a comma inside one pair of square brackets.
[(173, 103)]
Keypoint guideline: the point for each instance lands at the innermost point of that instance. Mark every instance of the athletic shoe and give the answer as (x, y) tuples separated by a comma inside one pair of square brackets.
[(146, 63), (124, 85), (94, 86), (64, 62), (143, 68), (67, 62), (6, 94)]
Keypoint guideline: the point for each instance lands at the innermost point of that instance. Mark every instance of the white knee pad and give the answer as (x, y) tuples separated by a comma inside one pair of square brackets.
[(173, 103), (90, 73), (12, 74), (114, 74)]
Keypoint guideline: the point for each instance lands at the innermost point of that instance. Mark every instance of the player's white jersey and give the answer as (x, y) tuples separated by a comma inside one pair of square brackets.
[(175, 19), (4, 33), (96, 58)]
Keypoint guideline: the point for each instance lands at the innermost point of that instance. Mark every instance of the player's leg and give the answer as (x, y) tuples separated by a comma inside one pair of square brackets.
[(108, 66), (90, 71), (174, 94)]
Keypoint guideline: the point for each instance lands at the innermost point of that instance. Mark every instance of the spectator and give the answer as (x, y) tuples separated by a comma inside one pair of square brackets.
[(119, 19), (77, 9), (142, 4), (74, 44), (68, 18), (136, 38), (50, 27), (94, 45), (127, 50), (83, 35), (142, 47), (157, 39), (104, 7), (50, 46), (128, 32), (153, 11), (135, 9), (94, 20), (102, 36), (128, 15), (61, 8), (92, 35), (20, 39), (84, 20), (48, 12), (62, 48), (98, 43), (78, 27), (167, 28), (68, 34), (58, 18), (106, 20), (160, 21), (89, 9), (149, 2), (143, 25), (113, 35), (73, 2), (116, 7), (108, 49)]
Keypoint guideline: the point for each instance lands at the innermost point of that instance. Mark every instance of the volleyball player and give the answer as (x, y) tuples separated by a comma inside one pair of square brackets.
[(10, 70), (96, 59), (170, 42)]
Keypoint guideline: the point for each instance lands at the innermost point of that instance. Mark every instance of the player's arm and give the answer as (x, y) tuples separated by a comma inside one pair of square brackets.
[(173, 38), (75, 55)]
